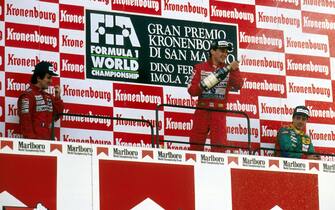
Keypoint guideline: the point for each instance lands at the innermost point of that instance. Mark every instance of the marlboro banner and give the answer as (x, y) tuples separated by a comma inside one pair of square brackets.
[(55, 175)]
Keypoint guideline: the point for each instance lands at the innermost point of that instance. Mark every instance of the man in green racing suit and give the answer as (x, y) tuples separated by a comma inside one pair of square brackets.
[(292, 140)]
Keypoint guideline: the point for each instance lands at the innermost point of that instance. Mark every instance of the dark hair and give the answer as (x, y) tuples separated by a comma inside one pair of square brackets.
[(41, 69), (36, 75), (220, 44)]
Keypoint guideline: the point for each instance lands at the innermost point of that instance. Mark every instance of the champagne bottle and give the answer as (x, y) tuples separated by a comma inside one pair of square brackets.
[(215, 78)]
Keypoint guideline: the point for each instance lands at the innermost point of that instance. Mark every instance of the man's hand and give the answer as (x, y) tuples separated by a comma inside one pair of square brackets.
[(57, 91), (234, 65), (313, 157)]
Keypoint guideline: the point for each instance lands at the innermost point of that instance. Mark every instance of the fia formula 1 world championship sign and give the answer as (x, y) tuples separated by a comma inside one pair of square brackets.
[(150, 50)]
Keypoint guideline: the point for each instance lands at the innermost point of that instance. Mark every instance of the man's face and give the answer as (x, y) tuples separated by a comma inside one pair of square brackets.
[(299, 121), (219, 56), (45, 82)]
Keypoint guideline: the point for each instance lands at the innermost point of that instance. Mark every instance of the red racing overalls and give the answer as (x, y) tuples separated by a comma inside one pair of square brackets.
[(36, 109), (206, 121)]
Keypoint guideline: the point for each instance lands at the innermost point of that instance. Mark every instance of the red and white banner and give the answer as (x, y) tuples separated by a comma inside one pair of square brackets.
[(286, 51), (66, 175)]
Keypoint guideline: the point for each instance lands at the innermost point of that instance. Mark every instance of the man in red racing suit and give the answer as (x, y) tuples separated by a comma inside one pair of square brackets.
[(212, 122), (36, 107)]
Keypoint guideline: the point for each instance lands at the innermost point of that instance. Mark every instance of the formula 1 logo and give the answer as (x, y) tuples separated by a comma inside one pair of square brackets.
[(113, 47), (112, 30)]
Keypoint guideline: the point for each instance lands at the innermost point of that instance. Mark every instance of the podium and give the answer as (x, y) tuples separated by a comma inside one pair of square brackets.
[(65, 176)]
